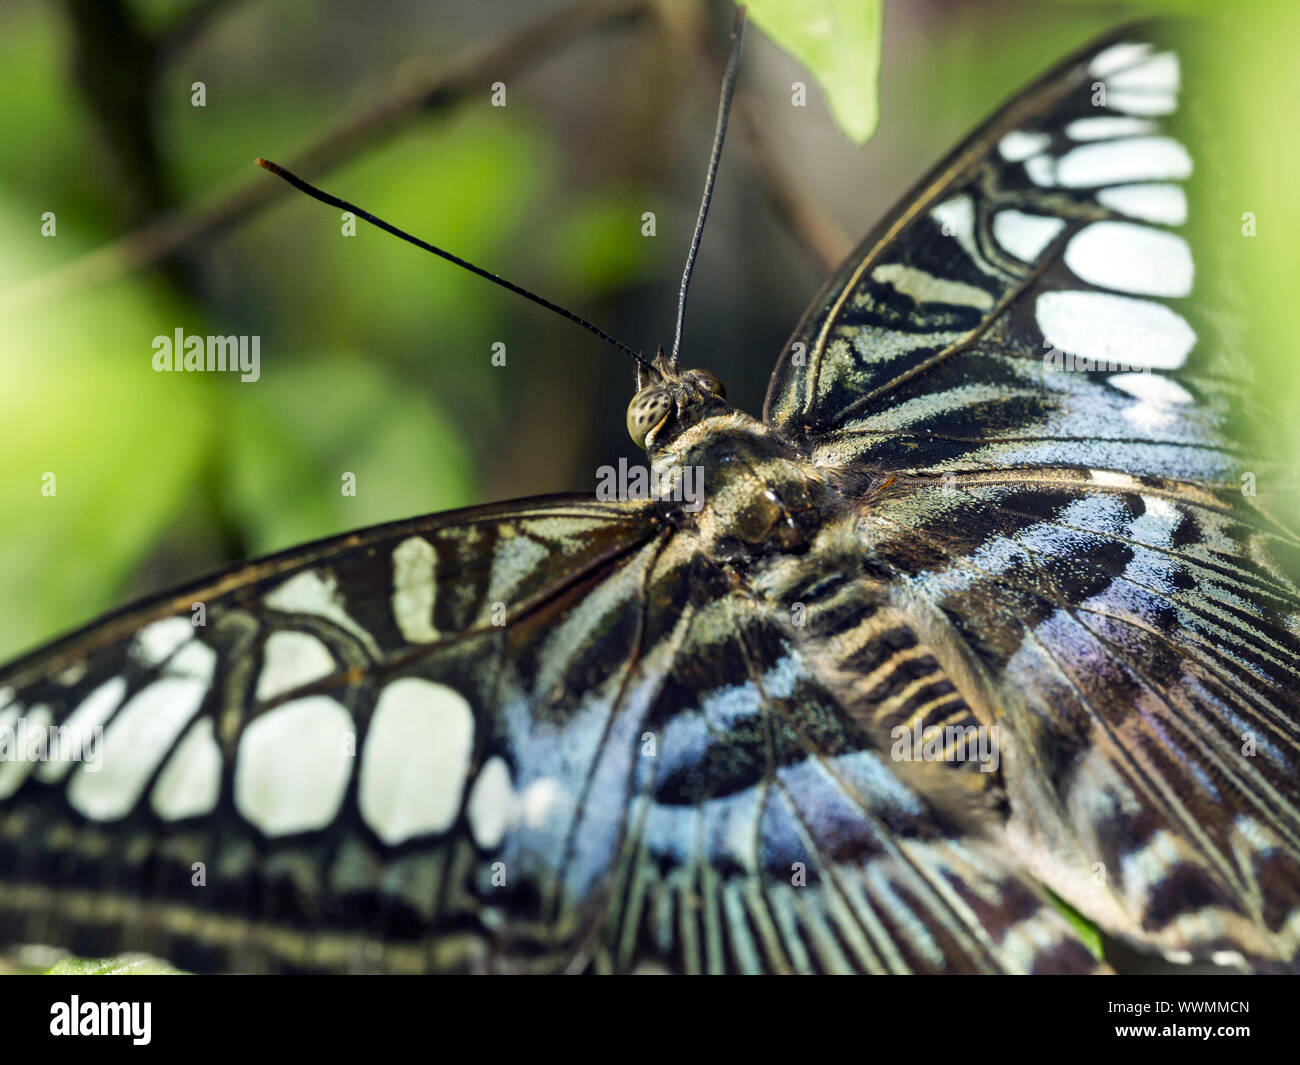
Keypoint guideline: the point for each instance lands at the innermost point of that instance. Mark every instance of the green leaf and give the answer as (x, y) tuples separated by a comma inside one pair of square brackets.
[(1087, 932), (123, 965), (839, 41)]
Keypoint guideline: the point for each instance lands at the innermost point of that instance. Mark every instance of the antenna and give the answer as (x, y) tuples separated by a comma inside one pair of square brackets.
[(324, 197), (724, 107)]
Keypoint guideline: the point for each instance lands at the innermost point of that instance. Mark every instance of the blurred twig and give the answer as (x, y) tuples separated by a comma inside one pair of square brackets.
[(187, 27), (800, 214), (502, 57), (115, 65)]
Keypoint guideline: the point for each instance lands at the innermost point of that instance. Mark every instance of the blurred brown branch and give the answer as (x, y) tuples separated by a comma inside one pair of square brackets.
[(800, 214), (502, 57), (187, 27), (115, 66)]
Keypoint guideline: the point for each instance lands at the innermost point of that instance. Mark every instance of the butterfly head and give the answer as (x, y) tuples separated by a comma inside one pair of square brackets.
[(668, 402)]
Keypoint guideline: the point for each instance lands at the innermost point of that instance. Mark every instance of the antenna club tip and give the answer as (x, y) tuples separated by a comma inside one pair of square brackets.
[(266, 164)]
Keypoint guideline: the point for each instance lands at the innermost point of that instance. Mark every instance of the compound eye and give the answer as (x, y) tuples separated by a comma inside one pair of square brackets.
[(709, 382), (649, 409)]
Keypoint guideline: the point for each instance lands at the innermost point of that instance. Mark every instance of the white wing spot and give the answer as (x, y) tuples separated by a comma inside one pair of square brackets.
[(538, 800), (1025, 235), (1152, 388), (1041, 170), (957, 219), (1232, 958), (1112, 479), (1166, 204), (290, 660), (956, 215), (1105, 127), (1158, 74), (414, 560), (1019, 145), (1118, 332), (1162, 510), (311, 592), (136, 742), (1150, 104), (492, 805), (17, 766), (156, 642), (190, 782), (416, 759), (73, 674), (1131, 258), (1117, 57), (292, 767), (196, 660), (1132, 159), (79, 727)]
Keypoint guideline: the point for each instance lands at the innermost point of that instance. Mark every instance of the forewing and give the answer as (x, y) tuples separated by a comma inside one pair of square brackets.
[(321, 774), (1058, 229), (1030, 367)]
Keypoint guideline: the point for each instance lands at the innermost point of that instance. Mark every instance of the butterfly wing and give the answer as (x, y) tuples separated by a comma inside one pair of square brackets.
[(1029, 364), (770, 835), (545, 735), (315, 776)]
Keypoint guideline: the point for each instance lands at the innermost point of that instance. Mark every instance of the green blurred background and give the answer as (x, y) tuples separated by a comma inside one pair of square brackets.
[(376, 358)]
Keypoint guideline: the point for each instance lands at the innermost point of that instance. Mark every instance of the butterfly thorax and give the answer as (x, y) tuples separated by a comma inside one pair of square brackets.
[(757, 495), (745, 490)]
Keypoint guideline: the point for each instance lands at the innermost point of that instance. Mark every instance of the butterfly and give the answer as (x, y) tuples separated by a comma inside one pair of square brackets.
[(972, 632)]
